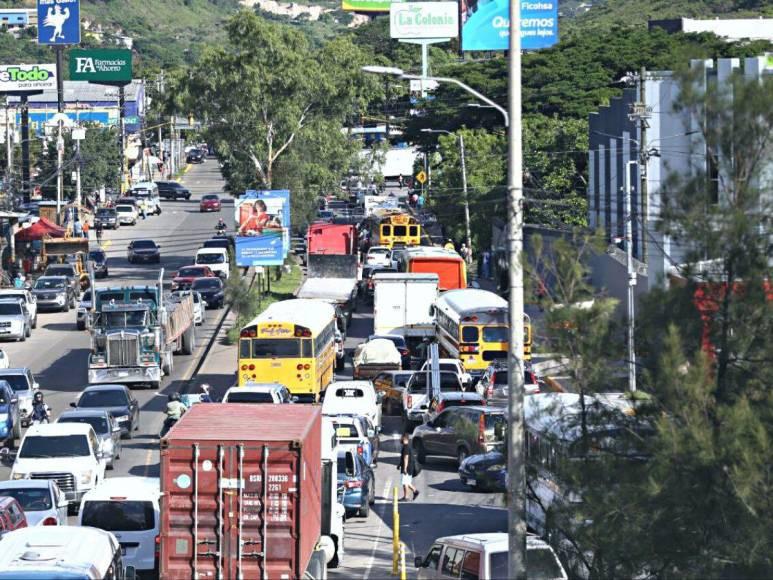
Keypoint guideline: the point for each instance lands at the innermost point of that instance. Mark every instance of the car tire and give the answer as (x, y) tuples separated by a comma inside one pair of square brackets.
[(17, 429), (461, 455), (129, 433), (364, 511), (421, 455), (81, 325), (35, 321), (110, 466), (28, 332), (372, 494), (155, 385)]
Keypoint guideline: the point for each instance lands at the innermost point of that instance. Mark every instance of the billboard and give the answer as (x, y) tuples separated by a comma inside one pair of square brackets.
[(486, 25), (59, 22), (366, 5), (27, 77), (424, 20), (101, 65), (263, 225)]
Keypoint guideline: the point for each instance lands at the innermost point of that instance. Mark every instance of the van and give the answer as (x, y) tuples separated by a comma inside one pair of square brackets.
[(353, 398), (128, 507), (216, 259), (474, 556), (11, 516), (148, 197), (47, 552)]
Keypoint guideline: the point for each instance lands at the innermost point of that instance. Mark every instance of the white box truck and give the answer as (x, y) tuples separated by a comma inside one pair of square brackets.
[(401, 304)]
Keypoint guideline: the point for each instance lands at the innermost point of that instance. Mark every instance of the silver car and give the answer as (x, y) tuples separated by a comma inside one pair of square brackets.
[(15, 321), (107, 430), (25, 296), (54, 293), (43, 502)]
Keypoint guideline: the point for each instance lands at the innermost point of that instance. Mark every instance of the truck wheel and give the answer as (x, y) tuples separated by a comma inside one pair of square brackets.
[(167, 364), (155, 385), (189, 341)]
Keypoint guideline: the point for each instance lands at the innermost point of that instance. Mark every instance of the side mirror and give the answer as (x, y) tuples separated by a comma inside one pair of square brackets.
[(419, 562), (14, 400), (73, 404), (371, 432), (116, 429)]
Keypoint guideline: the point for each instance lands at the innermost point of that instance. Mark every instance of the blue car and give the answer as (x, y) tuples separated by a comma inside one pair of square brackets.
[(356, 484), (485, 471), (10, 423)]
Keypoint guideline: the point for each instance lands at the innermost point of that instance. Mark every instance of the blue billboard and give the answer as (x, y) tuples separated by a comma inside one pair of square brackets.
[(59, 22), (486, 24), (263, 225)]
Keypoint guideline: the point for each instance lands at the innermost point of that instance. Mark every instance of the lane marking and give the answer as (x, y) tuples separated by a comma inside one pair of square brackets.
[(377, 539)]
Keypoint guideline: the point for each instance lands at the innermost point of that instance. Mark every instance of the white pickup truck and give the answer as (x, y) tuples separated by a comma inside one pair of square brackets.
[(416, 395)]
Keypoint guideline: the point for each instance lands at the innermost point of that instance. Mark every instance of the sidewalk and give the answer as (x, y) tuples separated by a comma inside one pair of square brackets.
[(219, 368)]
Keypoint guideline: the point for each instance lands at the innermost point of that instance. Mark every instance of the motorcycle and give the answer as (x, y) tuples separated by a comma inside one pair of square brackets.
[(169, 422)]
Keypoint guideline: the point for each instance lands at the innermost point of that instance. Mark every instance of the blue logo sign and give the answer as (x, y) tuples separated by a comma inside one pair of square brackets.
[(264, 249), (486, 24), (263, 222), (59, 22)]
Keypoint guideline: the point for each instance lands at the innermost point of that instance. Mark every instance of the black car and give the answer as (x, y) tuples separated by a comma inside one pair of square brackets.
[(194, 156), (143, 251), (98, 260), (118, 400), (366, 286), (172, 190), (107, 217), (400, 344), (486, 471), (211, 290)]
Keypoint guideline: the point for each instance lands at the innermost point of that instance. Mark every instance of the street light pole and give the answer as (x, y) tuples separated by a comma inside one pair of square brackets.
[(631, 275)]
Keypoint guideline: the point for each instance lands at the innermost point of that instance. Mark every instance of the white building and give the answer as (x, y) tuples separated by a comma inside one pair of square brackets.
[(730, 29), (673, 143)]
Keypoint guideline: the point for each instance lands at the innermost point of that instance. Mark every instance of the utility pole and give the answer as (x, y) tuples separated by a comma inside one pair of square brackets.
[(631, 275), (8, 148), (644, 203), (122, 128), (59, 138), (25, 147), (78, 134), (466, 199), (516, 460), (172, 160)]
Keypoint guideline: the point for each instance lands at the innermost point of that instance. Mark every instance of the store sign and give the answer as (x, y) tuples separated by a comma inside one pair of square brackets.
[(424, 20), (59, 22), (366, 5), (27, 77), (486, 26), (101, 65)]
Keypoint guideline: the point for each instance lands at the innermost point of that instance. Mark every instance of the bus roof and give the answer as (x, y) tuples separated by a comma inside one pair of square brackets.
[(469, 300), (310, 313)]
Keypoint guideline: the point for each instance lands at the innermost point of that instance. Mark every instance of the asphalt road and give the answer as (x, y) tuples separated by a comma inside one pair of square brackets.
[(57, 352)]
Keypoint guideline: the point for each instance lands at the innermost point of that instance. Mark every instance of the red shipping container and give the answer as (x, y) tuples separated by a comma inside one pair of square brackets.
[(238, 480), (338, 239)]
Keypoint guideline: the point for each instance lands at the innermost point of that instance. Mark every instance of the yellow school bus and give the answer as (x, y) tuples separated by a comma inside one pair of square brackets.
[(293, 343), (397, 229), (472, 325)]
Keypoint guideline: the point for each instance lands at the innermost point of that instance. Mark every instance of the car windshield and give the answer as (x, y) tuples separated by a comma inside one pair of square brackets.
[(125, 319), (398, 341), (448, 382), (210, 259), (17, 382), (378, 251), (97, 256), (144, 245), (248, 397), (98, 423), (119, 516), (124, 209), (31, 499), (92, 399), (191, 272), (210, 198), (40, 447), (105, 213), (63, 270), (207, 284), (10, 308), (15, 295), (49, 284)]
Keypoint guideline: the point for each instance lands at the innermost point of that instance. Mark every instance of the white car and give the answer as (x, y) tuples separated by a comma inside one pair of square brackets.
[(5, 360), (67, 453), (216, 259), (127, 214), (379, 256), (199, 316), (43, 502), (30, 302), (271, 393), (453, 365), (353, 398)]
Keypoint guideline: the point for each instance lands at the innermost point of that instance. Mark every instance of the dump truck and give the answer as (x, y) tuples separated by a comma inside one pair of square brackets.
[(336, 239), (332, 278), (135, 331), (378, 355), (242, 494)]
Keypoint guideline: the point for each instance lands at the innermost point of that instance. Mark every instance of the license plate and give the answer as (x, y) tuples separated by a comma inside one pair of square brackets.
[(469, 481), (123, 374)]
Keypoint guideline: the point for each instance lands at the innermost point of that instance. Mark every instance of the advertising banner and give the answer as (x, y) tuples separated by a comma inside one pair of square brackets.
[(59, 22), (424, 20), (101, 65), (27, 77), (366, 5), (486, 24), (262, 221)]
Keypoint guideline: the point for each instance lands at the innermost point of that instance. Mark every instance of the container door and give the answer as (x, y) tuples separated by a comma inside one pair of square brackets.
[(419, 296), (389, 307)]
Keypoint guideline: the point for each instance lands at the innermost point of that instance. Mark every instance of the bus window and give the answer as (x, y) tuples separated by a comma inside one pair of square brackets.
[(413, 231), (469, 334), (386, 230), (496, 334), (244, 348), (399, 231), (306, 344), (275, 348)]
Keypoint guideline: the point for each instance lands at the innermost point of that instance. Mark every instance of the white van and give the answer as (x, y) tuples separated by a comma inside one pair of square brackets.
[(474, 556), (128, 507), (353, 398), (216, 259), (147, 196), (47, 552)]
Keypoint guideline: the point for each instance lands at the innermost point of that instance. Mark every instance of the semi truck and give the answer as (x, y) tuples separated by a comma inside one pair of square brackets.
[(332, 278), (245, 494), (402, 304), (135, 331)]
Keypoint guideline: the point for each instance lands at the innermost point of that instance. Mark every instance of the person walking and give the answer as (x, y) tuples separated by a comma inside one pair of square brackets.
[(98, 230), (86, 228), (407, 467), (400, 181)]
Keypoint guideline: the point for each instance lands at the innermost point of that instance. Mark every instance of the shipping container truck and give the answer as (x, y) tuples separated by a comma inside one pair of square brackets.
[(337, 239), (447, 264), (332, 278), (242, 494), (135, 331), (402, 304)]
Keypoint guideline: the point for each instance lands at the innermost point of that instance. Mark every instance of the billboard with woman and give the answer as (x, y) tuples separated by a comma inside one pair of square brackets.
[(262, 228)]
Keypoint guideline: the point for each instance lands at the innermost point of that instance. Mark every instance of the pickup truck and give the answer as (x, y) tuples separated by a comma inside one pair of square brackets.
[(357, 434), (416, 396)]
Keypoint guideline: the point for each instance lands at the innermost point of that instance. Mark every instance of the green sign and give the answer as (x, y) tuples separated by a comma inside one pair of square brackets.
[(366, 5), (101, 65)]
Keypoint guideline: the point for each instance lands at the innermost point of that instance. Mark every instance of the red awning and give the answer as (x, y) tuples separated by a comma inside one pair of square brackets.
[(39, 230)]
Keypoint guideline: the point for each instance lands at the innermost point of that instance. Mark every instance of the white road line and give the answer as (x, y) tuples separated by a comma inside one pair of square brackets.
[(376, 540)]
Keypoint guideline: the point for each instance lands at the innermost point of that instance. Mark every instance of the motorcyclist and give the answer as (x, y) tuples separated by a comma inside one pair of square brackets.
[(220, 227), (174, 410), (41, 413)]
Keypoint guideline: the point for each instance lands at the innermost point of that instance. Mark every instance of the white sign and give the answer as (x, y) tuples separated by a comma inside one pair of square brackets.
[(27, 77), (424, 20), (78, 134)]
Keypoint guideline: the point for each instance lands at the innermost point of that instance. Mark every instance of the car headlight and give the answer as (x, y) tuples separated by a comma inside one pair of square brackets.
[(3, 418), (19, 475), (60, 298), (86, 476), (107, 446), (496, 467), (122, 418)]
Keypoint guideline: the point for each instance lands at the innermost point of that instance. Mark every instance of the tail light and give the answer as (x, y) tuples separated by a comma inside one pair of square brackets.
[(489, 391), (158, 547), (440, 407), (482, 429), (252, 367), (410, 401), (359, 450), (351, 484), (404, 351), (306, 367), (299, 367), (50, 521)]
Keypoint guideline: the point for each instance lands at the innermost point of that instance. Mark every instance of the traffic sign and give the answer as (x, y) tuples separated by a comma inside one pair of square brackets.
[(59, 22), (421, 177)]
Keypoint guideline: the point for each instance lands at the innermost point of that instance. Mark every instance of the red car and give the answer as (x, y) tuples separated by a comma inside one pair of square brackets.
[(209, 202), (185, 276)]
